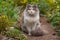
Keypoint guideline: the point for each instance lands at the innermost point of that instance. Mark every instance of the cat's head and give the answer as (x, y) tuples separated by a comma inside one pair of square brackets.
[(32, 9)]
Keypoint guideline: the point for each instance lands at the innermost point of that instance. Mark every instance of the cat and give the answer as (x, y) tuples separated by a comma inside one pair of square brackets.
[(30, 20)]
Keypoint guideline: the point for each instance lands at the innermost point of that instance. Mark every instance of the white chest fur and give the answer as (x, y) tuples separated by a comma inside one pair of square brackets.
[(31, 19)]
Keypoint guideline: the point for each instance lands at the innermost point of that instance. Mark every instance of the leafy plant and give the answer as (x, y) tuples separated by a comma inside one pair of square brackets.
[(58, 32), (5, 22), (55, 16), (8, 9), (55, 19), (15, 33)]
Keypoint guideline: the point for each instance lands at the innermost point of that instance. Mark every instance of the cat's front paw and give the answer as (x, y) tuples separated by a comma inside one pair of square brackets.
[(29, 34)]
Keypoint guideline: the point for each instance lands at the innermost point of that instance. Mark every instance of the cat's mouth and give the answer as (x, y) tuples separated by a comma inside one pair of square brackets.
[(32, 15)]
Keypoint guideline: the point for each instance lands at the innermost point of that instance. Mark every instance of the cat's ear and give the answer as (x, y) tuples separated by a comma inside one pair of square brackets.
[(35, 6), (28, 5)]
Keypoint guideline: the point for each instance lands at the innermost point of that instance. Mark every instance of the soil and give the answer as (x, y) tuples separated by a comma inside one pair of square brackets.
[(45, 26)]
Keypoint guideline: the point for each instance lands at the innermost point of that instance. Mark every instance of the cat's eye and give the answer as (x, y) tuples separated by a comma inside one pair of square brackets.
[(35, 9), (28, 9), (28, 6), (34, 6)]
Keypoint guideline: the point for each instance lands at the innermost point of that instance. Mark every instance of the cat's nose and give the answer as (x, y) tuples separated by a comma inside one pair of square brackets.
[(32, 11)]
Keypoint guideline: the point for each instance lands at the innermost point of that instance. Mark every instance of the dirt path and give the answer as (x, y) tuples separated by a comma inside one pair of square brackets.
[(46, 26)]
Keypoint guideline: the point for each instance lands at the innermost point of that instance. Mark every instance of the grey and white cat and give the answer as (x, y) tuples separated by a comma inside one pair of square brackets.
[(31, 18)]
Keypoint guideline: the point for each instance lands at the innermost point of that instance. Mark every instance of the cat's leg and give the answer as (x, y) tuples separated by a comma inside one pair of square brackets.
[(36, 30), (23, 28), (36, 26), (29, 30)]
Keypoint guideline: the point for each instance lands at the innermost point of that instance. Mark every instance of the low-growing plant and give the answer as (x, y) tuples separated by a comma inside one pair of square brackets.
[(5, 22), (55, 19), (15, 33), (58, 32)]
